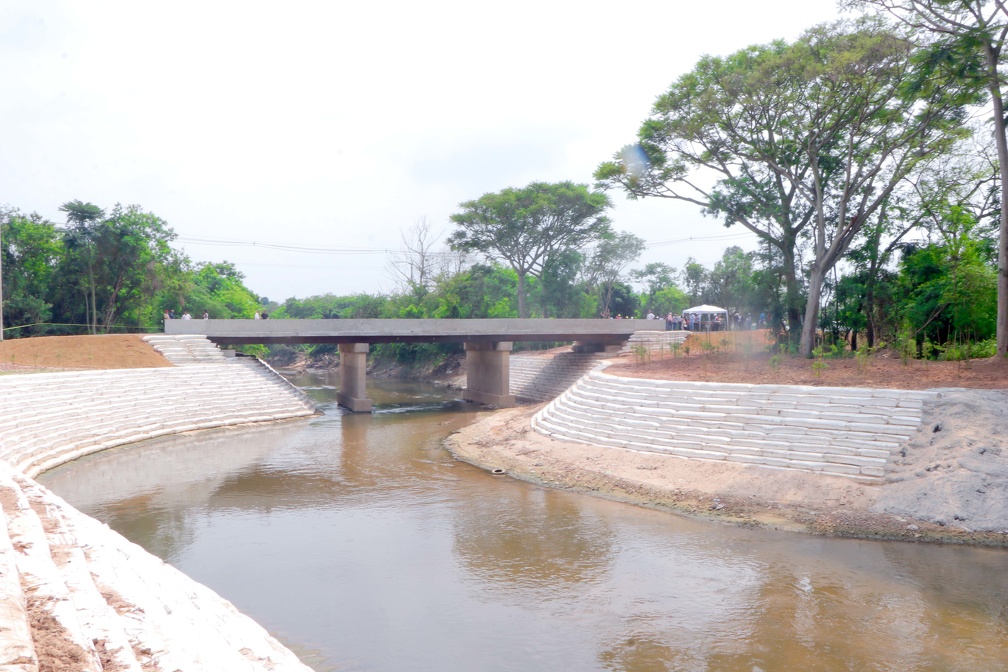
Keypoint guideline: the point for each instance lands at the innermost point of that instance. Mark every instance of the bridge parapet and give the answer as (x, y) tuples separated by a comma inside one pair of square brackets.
[(246, 332)]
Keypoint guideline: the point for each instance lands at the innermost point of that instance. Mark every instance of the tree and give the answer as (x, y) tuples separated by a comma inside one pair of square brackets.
[(30, 250), (694, 277), (731, 281), (219, 289), (655, 277), (416, 264), (116, 262), (525, 227), (560, 293), (130, 247), (609, 259), (810, 138), (967, 39), (82, 219)]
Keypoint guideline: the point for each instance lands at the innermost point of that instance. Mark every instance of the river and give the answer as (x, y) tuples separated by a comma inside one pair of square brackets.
[(361, 544)]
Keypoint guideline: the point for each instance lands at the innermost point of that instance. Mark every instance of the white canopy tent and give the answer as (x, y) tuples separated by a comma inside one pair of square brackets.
[(705, 310), (706, 314)]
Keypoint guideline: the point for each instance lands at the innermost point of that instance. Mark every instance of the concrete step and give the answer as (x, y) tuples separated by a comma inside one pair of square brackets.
[(846, 432)]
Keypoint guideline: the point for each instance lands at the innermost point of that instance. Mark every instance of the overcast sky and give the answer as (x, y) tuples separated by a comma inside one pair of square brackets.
[(332, 126)]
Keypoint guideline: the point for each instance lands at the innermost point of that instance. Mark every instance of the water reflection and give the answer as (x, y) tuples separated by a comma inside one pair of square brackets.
[(364, 546)]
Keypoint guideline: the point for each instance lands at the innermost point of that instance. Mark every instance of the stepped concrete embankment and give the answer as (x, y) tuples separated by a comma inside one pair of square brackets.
[(544, 376), (862, 462), (74, 594), (848, 432)]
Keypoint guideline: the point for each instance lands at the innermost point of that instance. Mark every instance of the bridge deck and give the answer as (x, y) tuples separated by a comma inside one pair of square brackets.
[(241, 332)]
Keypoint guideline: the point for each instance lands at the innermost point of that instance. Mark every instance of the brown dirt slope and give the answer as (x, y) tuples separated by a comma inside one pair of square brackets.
[(745, 359), (54, 353)]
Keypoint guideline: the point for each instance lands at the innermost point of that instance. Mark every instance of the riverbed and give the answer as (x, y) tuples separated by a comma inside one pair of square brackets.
[(363, 545)]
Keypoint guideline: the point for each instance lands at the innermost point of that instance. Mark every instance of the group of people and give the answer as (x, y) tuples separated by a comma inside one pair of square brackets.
[(695, 322), (170, 315)]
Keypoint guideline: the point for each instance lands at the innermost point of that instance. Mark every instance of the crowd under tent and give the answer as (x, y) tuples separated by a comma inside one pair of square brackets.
[(707, 314)]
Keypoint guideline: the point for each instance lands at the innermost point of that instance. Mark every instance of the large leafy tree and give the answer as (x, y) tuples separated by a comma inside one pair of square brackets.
[(219, 289), (116, 262), (132, 247), (731, 281), (82, 222), (966, 38), (607, 263), (30, 252), (808, 138), (526, 227), (655, 278)]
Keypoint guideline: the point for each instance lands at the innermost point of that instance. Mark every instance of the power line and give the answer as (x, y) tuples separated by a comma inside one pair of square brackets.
[(278, 246), (726, 236), (336, 250)]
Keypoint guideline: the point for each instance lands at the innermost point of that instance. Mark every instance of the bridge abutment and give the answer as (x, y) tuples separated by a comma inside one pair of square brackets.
[(353, 369), (488, 373)]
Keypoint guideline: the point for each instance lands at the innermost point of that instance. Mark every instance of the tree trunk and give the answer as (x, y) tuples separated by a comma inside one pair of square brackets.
[(816, 279), (791, 295), (93, 317), (870, 313), (870, 302), (522, 308), (1002, 153)]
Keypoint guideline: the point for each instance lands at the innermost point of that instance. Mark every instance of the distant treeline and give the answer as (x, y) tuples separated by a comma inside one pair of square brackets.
[(115, 271)]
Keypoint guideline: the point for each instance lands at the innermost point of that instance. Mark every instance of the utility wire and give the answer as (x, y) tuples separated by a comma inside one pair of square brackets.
[(336, 250), (278, 246)]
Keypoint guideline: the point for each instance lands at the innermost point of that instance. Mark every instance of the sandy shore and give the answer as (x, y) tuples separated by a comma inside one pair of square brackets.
[(951, 486)]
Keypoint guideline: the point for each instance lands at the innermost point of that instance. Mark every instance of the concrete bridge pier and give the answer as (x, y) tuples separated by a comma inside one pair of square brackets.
[(488, 373), (353, 369)]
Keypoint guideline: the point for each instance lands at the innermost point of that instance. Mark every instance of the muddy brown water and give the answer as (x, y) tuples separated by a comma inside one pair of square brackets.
[(361, 544)]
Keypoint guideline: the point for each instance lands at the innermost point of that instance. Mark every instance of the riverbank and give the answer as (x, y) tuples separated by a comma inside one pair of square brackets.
[(950, 487), (74, 594)]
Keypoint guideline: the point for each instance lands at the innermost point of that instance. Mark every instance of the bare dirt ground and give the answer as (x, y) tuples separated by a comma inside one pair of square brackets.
[(745, 359), (62, 353)]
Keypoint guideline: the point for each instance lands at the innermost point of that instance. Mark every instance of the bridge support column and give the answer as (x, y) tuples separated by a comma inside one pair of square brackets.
[(488, 373), (353, 369)]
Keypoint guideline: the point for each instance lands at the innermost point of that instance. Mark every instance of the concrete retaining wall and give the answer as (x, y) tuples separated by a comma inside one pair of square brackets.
[(838, 431), (107, 602), (542, 377)]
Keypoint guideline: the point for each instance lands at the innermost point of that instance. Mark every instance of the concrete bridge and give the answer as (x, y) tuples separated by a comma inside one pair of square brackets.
[(487, 344)]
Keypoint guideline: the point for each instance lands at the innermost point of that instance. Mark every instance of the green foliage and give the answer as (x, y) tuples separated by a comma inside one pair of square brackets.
[(967, 350), (819, 361), (31, 247), (800, 138), (948, 292), (606, 265), (624, 302), (861, 358), (219, 290), (526, 228)]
